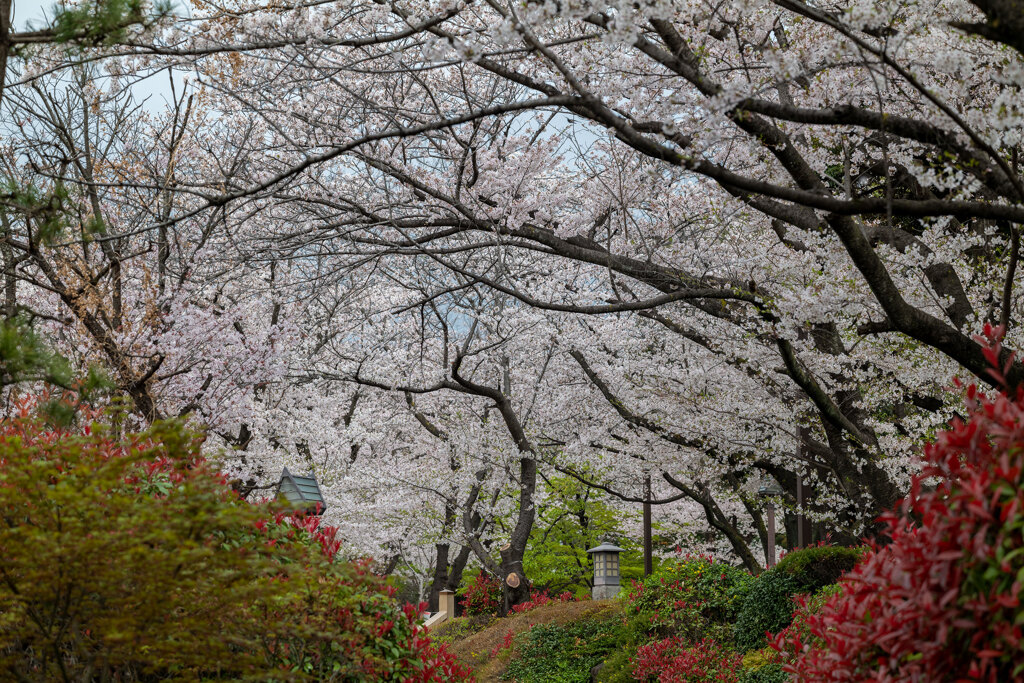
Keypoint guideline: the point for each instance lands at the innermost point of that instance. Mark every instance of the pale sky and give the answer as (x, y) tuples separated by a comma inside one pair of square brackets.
[(154, 90), (31, 10)]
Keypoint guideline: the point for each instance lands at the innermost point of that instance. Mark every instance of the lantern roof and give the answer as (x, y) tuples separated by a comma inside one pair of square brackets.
[(769, 487), (606, 547), (302, 493)]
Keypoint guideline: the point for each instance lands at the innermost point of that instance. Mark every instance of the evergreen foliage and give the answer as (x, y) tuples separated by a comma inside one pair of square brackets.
[(550, 653), (767, 608), (691, 597), (818, 566), (128, 558)]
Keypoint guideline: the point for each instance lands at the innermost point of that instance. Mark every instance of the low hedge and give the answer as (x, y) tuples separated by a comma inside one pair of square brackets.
[(818, 566), (693, 597), (551, 653), (768, 607)]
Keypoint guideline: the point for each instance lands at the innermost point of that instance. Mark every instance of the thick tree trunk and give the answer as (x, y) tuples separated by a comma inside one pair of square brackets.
[(440, 576), (516, 587), (514, 584)]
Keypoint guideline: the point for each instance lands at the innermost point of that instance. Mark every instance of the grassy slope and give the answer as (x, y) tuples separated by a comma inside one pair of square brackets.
[(475, 649)]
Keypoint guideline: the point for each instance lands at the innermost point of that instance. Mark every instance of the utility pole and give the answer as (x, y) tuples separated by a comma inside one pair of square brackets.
[(648, 544)]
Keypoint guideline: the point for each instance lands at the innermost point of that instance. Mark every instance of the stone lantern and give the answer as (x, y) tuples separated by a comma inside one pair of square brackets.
[(606, 571), (769, 489), (302, 494)]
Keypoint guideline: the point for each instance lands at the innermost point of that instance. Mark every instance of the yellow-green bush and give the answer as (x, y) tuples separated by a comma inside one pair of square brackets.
[(129, 559)]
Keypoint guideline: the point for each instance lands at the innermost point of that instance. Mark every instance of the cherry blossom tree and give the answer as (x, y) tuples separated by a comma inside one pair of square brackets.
[(849, 142), (438, 245)]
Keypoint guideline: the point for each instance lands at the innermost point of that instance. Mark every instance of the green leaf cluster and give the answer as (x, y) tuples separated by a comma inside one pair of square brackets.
[(818, 566), (103, 22), (765, 673), (768, 607), (694, 597)]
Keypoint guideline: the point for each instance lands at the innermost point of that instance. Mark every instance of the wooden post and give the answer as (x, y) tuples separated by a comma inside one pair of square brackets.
[(445, 609), (446, 602), (648, 543)]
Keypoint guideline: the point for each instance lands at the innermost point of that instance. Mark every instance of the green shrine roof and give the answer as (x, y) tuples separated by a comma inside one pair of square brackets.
[(302, 493)]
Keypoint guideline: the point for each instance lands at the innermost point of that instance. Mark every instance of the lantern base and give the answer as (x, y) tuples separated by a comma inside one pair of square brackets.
[(605, 592)]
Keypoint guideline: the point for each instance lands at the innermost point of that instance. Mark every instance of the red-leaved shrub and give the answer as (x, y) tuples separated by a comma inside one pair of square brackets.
[(482, 596), (542, 598), (671, 661), (941, 602)]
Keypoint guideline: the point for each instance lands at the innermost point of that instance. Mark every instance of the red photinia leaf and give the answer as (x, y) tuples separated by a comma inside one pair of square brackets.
[(937, 603)]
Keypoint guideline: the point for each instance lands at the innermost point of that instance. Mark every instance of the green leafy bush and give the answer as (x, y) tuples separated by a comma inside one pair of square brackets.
[(549, 653), (770, 673), (820, 565), (768, 607), (695, 598), (128, 559), (762, 666), (680, 622)]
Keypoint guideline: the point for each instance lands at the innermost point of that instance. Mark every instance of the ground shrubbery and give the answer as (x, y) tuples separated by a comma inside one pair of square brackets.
[(551, 653), (128, 558), (672, 617), (695, 597), (820, 565), (767, 608), (700, 620), (763, 666), (681, 661)]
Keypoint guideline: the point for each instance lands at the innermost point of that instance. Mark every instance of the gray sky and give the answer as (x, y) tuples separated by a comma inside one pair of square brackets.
[(155, 90), (34, 11)]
